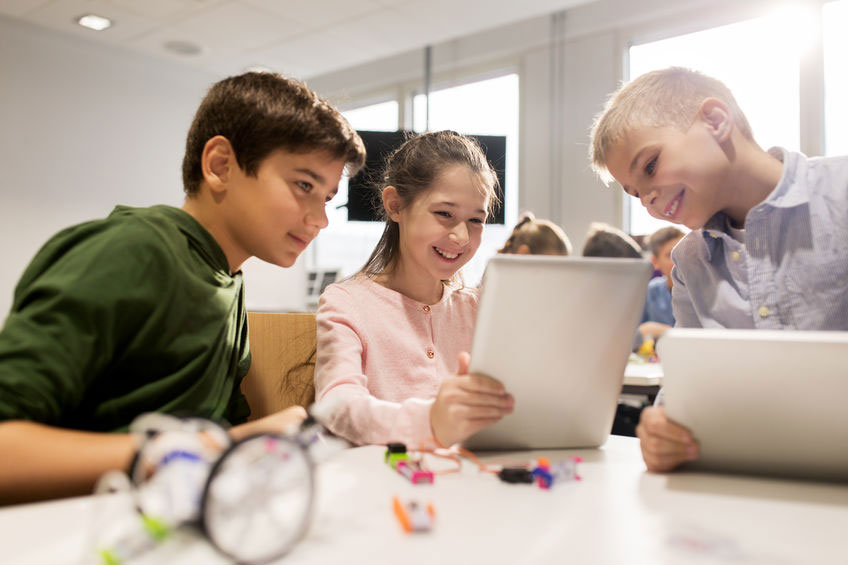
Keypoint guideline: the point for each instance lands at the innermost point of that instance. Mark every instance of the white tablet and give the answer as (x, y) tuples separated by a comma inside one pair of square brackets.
[(761, 401), (557, 331)]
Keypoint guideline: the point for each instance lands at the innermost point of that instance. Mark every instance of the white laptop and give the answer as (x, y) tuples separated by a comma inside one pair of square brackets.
[(557, 331), (764, 402)]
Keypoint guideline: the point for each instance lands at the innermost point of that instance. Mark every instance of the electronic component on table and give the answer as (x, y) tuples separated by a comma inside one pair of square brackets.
[(543, 473), (398, 459), (414, 517)]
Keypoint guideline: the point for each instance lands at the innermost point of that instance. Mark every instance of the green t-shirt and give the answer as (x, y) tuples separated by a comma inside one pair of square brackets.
[(134, 313)]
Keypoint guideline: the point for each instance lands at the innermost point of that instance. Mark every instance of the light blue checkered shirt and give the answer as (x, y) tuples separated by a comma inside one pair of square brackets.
[(792, 270)]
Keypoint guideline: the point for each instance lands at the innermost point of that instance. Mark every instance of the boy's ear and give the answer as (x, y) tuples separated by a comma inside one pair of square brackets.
[(523, 249), (655, 261), (392, 202), (716, 115), (217, 162)]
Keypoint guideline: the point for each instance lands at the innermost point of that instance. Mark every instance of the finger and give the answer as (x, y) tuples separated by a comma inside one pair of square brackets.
[(482, 413), (464, 361), (662, 447), (500, 401), (664, 463), (654, 422), (481, 383), (475, 426)]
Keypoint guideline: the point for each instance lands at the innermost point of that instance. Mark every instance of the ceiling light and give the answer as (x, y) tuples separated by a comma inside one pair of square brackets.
[(183, 47), (95, 22)]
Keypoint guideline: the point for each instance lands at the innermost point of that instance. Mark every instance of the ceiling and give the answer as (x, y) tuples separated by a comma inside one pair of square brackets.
[(298, 37)]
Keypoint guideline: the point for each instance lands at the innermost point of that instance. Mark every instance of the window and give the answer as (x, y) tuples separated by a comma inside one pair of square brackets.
[(376, 117), (758, 59), (835, 45), (487, 107), (344, 247)]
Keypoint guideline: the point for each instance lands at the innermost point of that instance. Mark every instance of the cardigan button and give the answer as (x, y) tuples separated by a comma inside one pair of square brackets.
[(426, 308), (430, 353)]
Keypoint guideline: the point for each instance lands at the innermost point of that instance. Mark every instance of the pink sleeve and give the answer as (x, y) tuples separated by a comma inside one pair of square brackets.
[(342, 388)]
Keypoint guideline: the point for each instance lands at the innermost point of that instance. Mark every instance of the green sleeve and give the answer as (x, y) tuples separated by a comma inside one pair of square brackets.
[(75, 308)]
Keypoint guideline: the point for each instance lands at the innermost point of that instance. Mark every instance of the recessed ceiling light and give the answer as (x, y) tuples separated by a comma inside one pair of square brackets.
[(183, 47), (95, 22)]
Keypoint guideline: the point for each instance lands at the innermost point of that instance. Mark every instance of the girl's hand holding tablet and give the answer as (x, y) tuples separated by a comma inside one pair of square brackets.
[(466, 404)]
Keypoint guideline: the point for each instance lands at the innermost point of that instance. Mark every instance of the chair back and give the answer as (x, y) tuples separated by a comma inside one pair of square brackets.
[(282, 348)]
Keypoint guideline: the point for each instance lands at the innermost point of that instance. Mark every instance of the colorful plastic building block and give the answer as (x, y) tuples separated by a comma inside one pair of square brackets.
[(399, 460), (414, 517)]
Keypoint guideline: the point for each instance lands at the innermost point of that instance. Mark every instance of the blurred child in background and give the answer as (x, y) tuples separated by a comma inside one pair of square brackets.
[(532, 236), (607, 241), (657, 317)]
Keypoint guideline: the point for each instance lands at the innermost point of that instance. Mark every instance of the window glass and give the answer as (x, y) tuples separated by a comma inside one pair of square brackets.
[(758, 59), (835, 44), (343, 247), (487, 107), (376, 117)]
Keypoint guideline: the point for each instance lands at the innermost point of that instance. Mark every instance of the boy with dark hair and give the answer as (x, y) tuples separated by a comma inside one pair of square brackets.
[(144, 310), (767, 247), (657, 316)]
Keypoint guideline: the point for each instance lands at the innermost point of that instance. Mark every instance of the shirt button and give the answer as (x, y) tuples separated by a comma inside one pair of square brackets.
[(735, 255), (426, 308), (763, 311), (430, 353)]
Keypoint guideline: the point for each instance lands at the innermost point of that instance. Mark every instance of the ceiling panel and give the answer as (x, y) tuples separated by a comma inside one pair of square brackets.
[(223, 31), (167, 11), (62, 15), (319, 14), (18, 8), (301, 37)]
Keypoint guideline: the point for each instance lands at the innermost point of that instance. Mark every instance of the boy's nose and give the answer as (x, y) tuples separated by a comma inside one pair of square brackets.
[(317, 216), (647, 195)]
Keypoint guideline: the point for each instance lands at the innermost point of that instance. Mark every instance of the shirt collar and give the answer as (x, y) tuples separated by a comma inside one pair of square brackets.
[(789, 192), (713, 231)]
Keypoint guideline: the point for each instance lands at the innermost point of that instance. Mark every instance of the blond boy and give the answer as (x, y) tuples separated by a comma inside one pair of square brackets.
[(767, 248)]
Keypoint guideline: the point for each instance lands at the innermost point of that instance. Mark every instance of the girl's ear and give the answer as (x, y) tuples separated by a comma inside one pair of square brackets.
[(716, 115), (216, 162), (392, 202)]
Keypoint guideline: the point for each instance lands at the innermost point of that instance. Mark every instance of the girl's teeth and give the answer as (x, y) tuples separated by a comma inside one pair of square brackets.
[(446, 255)]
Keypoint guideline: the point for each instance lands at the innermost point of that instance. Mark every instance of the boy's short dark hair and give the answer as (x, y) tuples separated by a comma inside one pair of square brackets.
[(661, 237), (260, 113), (606, 241)]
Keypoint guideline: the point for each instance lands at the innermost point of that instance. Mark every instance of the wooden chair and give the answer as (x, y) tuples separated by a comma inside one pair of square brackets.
[(283, 348)]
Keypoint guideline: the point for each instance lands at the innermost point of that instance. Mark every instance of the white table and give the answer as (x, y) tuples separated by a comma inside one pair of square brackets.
[(643, 374), (617, 514)]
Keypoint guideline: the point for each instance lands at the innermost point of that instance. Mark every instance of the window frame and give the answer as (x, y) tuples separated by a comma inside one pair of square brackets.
[(811, 73)]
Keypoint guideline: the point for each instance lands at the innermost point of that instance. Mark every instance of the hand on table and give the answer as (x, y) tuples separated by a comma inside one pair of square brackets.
[(280, 422)]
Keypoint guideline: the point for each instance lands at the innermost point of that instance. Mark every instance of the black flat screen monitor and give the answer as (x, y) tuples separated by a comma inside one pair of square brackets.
[(363, 203)]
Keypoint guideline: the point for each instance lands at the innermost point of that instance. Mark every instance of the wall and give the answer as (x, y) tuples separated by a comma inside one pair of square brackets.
[(86, 127), (568, 64)]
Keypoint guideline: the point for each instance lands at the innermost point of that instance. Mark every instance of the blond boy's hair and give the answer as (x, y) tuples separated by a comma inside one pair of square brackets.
[(666, 98)]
